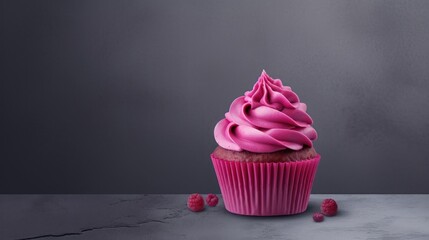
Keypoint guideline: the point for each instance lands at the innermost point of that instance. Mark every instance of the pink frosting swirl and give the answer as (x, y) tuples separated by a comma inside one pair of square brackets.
[(267, 119)]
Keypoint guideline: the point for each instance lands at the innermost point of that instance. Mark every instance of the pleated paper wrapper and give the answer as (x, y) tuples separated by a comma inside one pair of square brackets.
[(265, 189)]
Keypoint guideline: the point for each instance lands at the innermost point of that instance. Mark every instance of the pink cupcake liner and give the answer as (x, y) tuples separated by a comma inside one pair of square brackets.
[(265, 189)]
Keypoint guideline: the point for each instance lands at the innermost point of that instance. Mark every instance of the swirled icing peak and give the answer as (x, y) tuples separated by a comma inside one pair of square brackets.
[(266, 119)]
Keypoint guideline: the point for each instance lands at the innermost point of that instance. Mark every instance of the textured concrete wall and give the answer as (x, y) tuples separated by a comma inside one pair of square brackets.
[(122, 96)]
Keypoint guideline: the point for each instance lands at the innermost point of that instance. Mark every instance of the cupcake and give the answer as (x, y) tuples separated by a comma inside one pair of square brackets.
[(265, 162)]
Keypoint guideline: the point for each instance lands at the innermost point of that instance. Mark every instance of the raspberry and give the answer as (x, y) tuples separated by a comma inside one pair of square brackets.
[(195, 202), (329, 207), (212, 200), (318, 217)]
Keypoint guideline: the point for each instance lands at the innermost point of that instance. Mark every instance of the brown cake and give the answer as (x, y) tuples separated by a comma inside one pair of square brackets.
[(286, 155)]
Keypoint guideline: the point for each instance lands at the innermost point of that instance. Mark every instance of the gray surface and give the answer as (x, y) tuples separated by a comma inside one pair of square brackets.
[(122, 96), (166, 217)]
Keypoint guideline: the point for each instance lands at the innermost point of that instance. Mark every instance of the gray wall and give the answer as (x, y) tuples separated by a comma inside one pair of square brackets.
[(122, 96)]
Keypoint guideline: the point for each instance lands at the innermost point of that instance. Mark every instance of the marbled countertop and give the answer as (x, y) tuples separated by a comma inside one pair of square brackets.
[(166, 217)]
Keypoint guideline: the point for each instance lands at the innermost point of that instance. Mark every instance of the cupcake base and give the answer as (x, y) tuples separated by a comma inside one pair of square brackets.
[(265, 188)]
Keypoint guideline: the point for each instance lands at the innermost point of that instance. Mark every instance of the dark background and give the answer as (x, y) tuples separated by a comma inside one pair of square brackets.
[(122, 96)]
